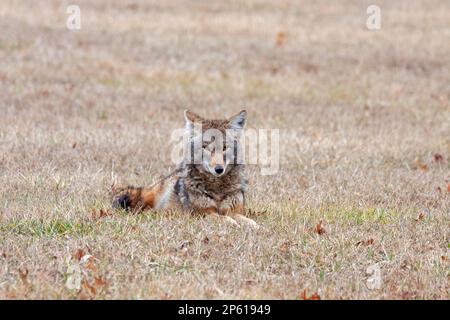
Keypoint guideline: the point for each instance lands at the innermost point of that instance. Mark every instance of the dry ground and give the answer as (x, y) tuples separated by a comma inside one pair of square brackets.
[(364, 118)]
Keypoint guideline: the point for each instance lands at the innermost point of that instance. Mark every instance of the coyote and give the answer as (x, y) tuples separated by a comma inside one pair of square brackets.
[(215, 185)]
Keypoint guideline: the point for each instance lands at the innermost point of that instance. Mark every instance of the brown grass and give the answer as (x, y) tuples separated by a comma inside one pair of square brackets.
[(361, 115)]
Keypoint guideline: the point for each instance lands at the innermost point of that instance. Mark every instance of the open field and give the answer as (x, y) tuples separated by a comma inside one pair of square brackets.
[(364, 119)]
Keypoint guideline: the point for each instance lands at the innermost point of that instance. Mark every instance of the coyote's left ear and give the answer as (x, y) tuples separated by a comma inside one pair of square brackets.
[(238, 121)]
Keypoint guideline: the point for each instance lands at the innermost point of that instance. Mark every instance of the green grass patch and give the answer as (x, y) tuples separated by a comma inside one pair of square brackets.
[(50, 228), (361, 216)]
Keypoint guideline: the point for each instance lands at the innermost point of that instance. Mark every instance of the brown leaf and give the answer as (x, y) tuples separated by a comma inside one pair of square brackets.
[(165, 296), (253, 213), (438, 157), (285, 246), (406, 265), (23, 274), (314, 296), (365, 242), (448, 187), (281, 38), (90, 265), (79, 254), (104, 213), (99, 282), (420, 165), (319, 228), (249, 282), (421, 216), (100, 214), (90, 288)]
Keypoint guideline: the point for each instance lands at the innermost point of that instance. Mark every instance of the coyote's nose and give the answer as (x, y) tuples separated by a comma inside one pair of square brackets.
[(218, 169)]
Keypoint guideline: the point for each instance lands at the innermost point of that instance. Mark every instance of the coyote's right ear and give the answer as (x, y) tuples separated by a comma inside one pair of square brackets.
[(191, 118)]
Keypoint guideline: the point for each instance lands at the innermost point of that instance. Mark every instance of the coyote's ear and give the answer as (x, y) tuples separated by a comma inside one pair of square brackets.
[(238, 121), (191, 118)]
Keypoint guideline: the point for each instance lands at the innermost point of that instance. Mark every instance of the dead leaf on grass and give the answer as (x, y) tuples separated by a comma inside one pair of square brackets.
[(314, 296), (438, 157), (281, 38), (422, 215), (365, 242), (319, 229), (421, 165), (78, 254), (23, 274), (100, 214)]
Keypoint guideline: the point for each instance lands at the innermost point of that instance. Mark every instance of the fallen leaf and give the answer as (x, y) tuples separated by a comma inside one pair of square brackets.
[(88, 262), (100, 214), (285, 246), (23, 275), (438, 157), (165, 296), (281, 38), (420, 165), (406, 265), (79, 254), (406, 295), (99, 282), (249, 282), (253, 213), (365, 242), (132, 6), (90, 288), (104, 213), (314, 296), (319, 228), (421, 216)]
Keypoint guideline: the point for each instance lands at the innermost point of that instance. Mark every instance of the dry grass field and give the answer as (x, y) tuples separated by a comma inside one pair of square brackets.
[(364, 120)]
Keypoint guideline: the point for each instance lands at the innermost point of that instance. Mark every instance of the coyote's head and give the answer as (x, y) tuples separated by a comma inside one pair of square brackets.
[(214, 145)]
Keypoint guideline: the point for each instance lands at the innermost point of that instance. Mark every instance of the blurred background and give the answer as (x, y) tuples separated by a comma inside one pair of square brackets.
[(364, 115)]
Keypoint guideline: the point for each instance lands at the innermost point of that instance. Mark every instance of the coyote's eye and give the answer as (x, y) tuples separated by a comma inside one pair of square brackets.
[(207, 146)]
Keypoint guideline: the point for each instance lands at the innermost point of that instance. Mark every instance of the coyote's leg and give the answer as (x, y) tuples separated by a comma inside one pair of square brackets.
[(202, 204), (226, 219), (233, 206), (207, 207)]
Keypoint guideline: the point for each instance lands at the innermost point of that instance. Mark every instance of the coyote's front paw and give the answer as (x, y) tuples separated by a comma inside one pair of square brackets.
[(122, 199)]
